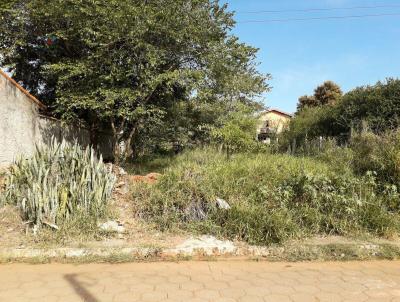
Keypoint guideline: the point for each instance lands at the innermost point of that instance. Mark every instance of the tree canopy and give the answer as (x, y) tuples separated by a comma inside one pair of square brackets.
[(329, 93), (373, 107), (376, 106), (122, 65)]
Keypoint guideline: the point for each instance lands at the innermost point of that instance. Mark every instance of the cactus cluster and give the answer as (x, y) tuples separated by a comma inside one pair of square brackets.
[(59, 181)]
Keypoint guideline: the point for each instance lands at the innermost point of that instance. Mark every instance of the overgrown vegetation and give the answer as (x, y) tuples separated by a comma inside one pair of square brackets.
[(273, 198), (152, 77), (166, 80), (236, 132), (370, 108), (341, 175), (58, 184)]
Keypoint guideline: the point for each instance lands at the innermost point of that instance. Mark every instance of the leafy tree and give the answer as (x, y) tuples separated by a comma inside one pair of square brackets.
[(126, 65), (237, 132), (306, 101), (377, 106), (329, 93)]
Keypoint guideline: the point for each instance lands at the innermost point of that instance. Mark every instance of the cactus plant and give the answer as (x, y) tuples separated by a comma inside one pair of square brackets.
[(57, 182)]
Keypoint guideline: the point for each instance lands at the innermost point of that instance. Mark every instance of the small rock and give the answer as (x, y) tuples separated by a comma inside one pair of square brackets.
[(75, 253), (123, 190), (120, 184), (109, 167), (35, 229), (121, 171), (209, 245), (112, 226), (222, 204)]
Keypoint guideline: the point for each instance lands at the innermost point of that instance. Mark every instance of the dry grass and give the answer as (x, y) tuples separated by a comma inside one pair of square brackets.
[(12, 228)]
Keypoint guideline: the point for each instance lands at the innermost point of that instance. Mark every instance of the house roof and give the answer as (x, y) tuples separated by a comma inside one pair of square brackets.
[(24, 91), (279, 112)]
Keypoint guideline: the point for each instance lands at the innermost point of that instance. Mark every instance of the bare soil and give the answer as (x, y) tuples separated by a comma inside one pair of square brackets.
[(14, 233), (12, 228)]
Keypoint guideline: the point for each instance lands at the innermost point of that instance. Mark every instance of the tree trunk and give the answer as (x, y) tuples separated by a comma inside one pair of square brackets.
[(116, 152), (116, 138), (93, 137), (128, 142)]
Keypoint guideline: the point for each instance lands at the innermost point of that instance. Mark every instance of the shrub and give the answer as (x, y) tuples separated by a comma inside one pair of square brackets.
[(59, 182), (273, 198), (339, 159), (379, 153), (378, 105), (237, 132), (309, 125)]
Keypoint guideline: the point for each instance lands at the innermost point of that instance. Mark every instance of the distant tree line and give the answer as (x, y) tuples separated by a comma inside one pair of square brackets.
[(330, 113)]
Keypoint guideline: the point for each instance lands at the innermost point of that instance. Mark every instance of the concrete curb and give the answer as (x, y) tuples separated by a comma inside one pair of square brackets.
[(327, 252)]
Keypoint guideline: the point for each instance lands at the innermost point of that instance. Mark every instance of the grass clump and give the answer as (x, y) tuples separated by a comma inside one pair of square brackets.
[(273, 198), (379, 153), (58, 184)]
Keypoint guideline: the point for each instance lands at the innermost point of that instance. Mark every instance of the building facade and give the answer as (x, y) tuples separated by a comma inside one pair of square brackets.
[(271, 123)]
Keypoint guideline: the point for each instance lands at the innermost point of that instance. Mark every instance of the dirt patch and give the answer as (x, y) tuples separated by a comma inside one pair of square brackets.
[(12, 228), (2, 182), (14, 233), (150, 178), (137, 232)]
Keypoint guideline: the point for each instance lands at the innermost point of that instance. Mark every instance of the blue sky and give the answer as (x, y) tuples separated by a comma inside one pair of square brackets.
[(302, 55)]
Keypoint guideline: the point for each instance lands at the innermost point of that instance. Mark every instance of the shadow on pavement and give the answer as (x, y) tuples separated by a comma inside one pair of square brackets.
[(80, 289)]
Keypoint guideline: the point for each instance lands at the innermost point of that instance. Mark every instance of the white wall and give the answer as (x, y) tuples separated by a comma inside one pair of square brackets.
[(21, 127), (18, 123)]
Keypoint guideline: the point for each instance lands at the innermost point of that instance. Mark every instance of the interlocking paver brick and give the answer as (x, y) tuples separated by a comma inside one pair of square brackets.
[(202, 282), (259, 291), (300, 297), (207, 294), (193, 286), (154, 296), (277, 298)]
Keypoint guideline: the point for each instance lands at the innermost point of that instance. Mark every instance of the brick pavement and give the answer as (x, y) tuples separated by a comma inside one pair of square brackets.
[(230, 281)]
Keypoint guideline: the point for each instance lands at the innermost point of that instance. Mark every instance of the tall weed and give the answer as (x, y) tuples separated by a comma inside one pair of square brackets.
[(273, 198)]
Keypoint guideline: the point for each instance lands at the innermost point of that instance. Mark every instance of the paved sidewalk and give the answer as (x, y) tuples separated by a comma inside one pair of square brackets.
[(202, 281)]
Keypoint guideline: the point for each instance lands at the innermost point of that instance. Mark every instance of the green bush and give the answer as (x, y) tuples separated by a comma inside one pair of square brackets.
[(272, 197), (338, 158), (378, 105), (237, 131), (59, 182), (307, 126), (378, 153)]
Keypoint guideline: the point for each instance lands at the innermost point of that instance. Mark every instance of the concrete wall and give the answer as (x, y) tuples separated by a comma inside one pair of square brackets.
[(21, 127), (18, 122), (49, 127)]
